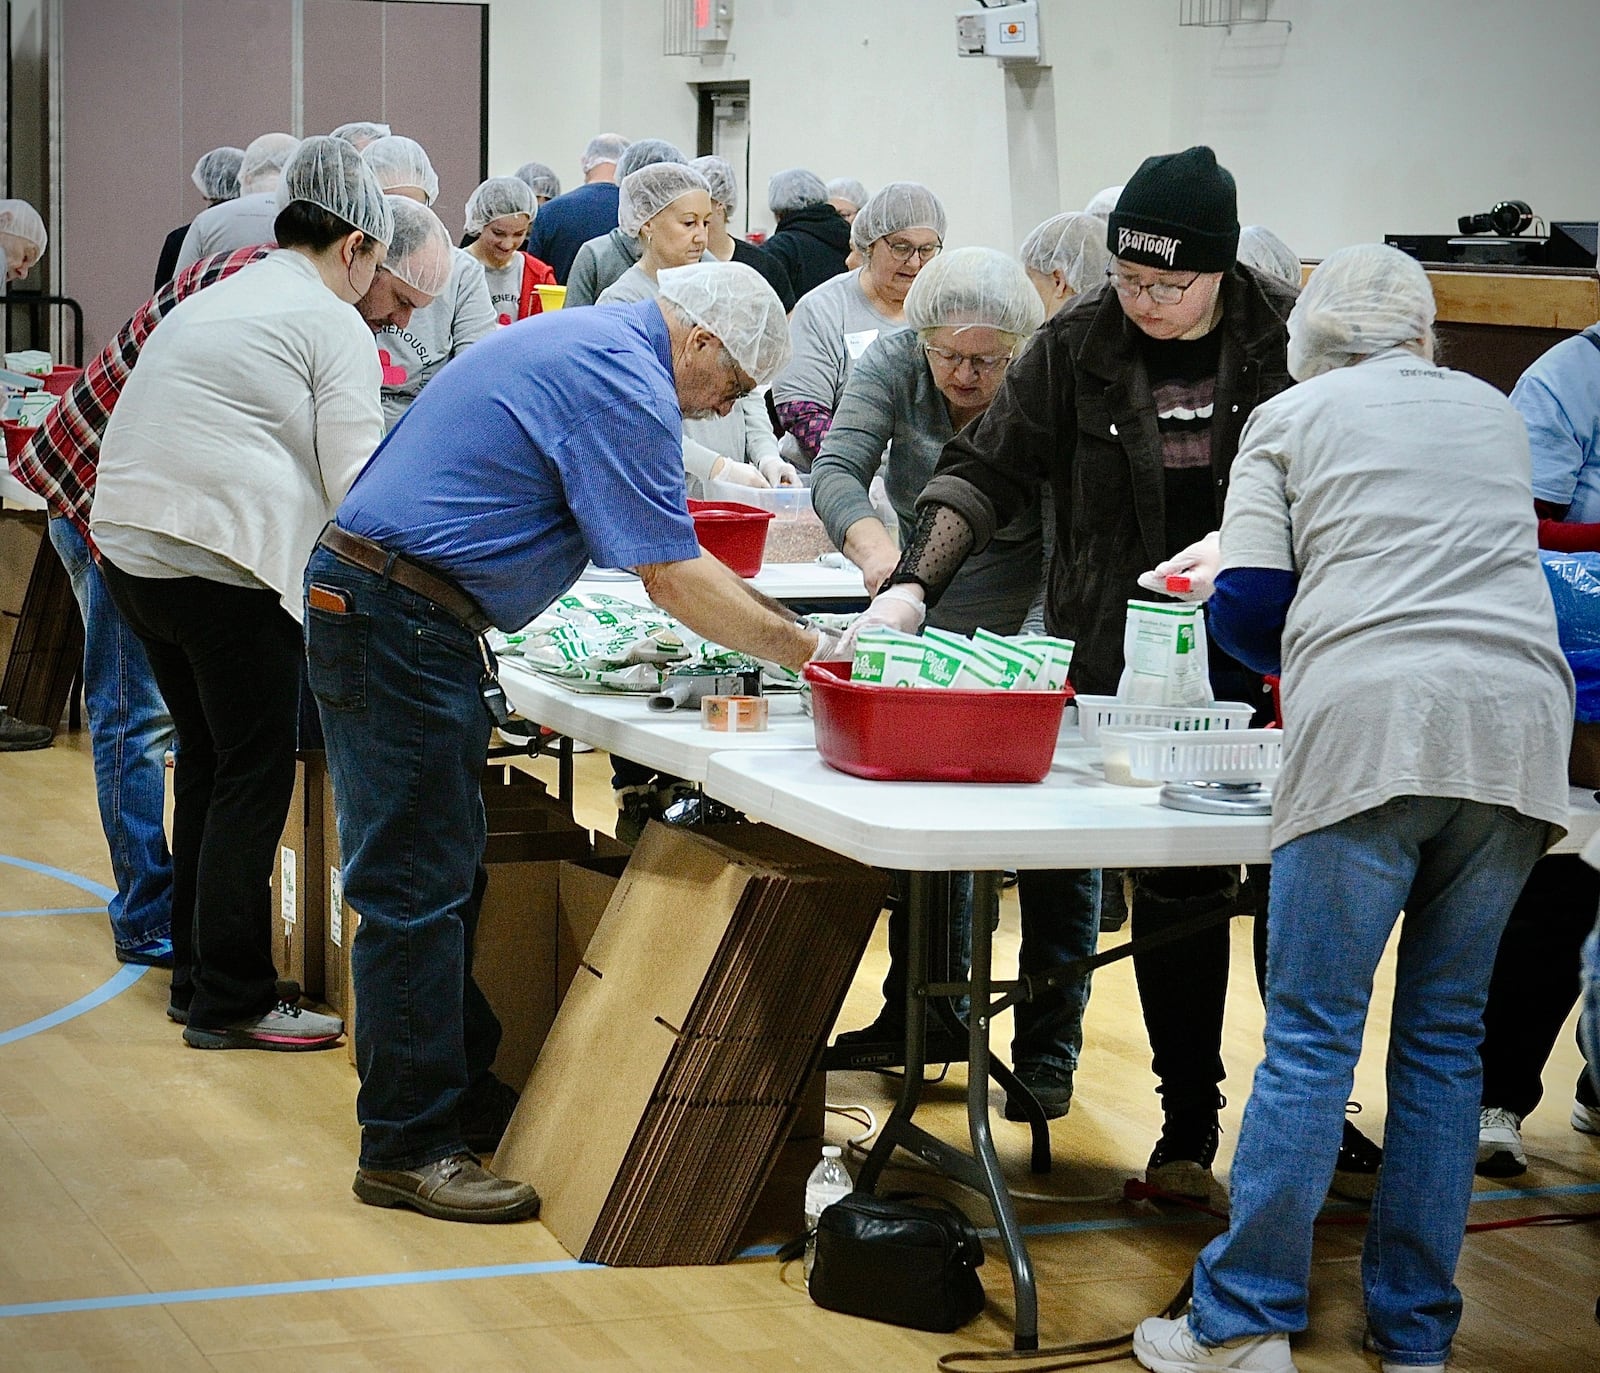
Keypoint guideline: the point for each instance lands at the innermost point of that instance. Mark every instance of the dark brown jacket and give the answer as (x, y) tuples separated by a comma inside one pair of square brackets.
[(1076, 410)]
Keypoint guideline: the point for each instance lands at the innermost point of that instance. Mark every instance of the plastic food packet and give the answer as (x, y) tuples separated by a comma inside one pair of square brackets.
[(1057, 655), (1022, 666), (1164, 655), (886, 657)]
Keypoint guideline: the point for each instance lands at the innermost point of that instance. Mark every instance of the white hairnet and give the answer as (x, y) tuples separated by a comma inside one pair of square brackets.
[(540, 179), (1073, 244), (794, 189), (735, 303), (721, 180), (847, 188), (420, 253), (1103, 203), (263, 162), (648, 191), (21, 220), (974, 286), (603, 147), (398, 161), (1359, 301), (499, 195), (330, 173), (216, 174), (361, 132), (899, 205), (1266, 252), (646, 153)]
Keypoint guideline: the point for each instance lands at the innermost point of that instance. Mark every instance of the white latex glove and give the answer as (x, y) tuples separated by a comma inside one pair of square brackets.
[(829, 647), (777, 472), (739, 473), (900, 607), (1199, 562)]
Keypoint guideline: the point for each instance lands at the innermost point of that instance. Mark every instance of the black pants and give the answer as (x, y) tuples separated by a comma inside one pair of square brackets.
[(1535, 982), (1183, 986), (227, 660)]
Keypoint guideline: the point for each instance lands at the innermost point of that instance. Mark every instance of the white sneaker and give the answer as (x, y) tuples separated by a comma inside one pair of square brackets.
[(1500, 1151), (1585, 1119), (1170, 1346)]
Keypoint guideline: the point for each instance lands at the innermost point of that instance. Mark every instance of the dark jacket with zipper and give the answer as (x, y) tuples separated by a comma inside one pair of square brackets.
[(1076, 410), (811, 246)]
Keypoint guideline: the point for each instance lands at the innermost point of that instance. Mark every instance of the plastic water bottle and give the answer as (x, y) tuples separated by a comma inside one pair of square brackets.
[(829, 1182)]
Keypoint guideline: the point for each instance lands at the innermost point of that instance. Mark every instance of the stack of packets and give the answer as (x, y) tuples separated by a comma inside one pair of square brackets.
[(985, 662), (24, 402)]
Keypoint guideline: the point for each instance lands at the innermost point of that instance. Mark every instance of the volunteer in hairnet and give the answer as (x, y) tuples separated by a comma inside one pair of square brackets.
[(499, 215), (968, 313), (1378, 545), (1066, 256), (1266, 252), (812, 239), (456, 318), (899, 230), (252, 409), (361, 132), (248, 218), (721, 242), (216, 177), (846, 195), (554, 446), (585, 212), (540, 179), (602, 260)]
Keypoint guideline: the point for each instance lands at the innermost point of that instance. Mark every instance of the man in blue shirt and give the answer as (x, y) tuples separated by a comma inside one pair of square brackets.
[(566, 223), (555, 442)]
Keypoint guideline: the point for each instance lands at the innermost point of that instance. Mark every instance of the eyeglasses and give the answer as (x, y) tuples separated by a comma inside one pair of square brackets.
[(984, 364), (737, 388), (901, 251), (1161, 292)]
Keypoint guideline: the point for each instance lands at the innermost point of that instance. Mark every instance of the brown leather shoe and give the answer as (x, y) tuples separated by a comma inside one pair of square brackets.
[(454, 1188)]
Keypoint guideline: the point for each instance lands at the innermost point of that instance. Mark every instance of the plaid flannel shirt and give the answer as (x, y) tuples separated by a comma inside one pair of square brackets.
[(60, 461)]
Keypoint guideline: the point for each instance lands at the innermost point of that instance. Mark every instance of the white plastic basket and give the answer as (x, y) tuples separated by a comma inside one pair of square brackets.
[(1107, 712), (1235, 755)]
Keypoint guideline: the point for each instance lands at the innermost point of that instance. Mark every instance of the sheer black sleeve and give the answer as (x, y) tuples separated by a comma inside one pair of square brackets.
[(942, 543)]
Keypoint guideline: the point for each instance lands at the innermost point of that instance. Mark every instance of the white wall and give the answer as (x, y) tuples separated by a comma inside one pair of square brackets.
[(1372, 116)]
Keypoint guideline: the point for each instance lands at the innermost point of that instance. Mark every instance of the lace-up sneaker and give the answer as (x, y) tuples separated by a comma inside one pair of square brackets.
[(1500, 1151), (284, 1028), (1355, 1173), (454, 1188), (1181, 1161), (1170, 1346), (1585, 1119)]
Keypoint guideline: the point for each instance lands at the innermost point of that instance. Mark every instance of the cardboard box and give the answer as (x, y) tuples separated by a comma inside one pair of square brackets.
[(299, 900), (584, 890), (686, 1041)]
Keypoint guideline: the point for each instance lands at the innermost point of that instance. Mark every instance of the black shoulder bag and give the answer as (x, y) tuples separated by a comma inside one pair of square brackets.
[(892, 1259)]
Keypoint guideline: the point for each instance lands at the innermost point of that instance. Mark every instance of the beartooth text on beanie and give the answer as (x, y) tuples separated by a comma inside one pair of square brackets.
[(1164, 246)]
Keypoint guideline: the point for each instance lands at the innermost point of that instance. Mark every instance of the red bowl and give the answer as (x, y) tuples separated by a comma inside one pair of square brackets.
[(17, 436), (59, 380), (736, 534), (927, 734)]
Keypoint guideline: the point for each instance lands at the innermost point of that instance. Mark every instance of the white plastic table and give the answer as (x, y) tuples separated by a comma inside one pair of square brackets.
[(804, 582), (14, 495)]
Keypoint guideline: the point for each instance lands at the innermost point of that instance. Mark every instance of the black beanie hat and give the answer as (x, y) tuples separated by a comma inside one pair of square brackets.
[(1179, 211)]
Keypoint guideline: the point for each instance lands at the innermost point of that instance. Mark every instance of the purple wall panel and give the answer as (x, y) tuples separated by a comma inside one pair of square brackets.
[(343, 63)]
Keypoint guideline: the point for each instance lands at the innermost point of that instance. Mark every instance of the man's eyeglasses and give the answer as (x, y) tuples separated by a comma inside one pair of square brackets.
[(984, 364), (738, 389), (901, 251), (1161, 292)]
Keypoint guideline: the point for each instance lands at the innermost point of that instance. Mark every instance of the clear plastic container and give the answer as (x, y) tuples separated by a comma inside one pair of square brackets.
[(1238, 755), (796, 534), (1096, 713), (829, 1182)]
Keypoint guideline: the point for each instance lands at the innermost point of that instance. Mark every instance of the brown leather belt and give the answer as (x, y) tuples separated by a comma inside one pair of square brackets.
[(374, 557)]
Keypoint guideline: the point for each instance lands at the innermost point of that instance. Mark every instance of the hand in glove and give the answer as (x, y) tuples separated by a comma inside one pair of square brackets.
[(777, 472), (739, 473), (900, 607), (1199, 562)]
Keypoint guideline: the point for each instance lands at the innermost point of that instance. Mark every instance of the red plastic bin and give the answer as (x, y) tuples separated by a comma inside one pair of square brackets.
[(925, 734), (58, 381), (17, 435), (736, 534)]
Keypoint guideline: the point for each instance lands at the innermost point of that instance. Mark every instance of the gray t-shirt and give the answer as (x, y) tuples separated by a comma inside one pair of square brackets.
[(505, 289), (239, 223), (1420, 654), (600, 262), (459, 315), (890, 398), (831, 327), (634, 284)]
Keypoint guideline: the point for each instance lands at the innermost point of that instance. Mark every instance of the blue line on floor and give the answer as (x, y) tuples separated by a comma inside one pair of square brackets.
[(72, 879), (112, 986), (58, 910), (290, 1289)]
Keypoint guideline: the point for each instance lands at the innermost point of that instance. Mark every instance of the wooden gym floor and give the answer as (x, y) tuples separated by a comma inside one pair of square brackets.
[(167, 1209)]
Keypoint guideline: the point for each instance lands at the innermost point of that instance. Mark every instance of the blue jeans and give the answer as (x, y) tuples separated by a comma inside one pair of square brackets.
[(1456, 868), (1060, 922), (396, 681), (130, 732)]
